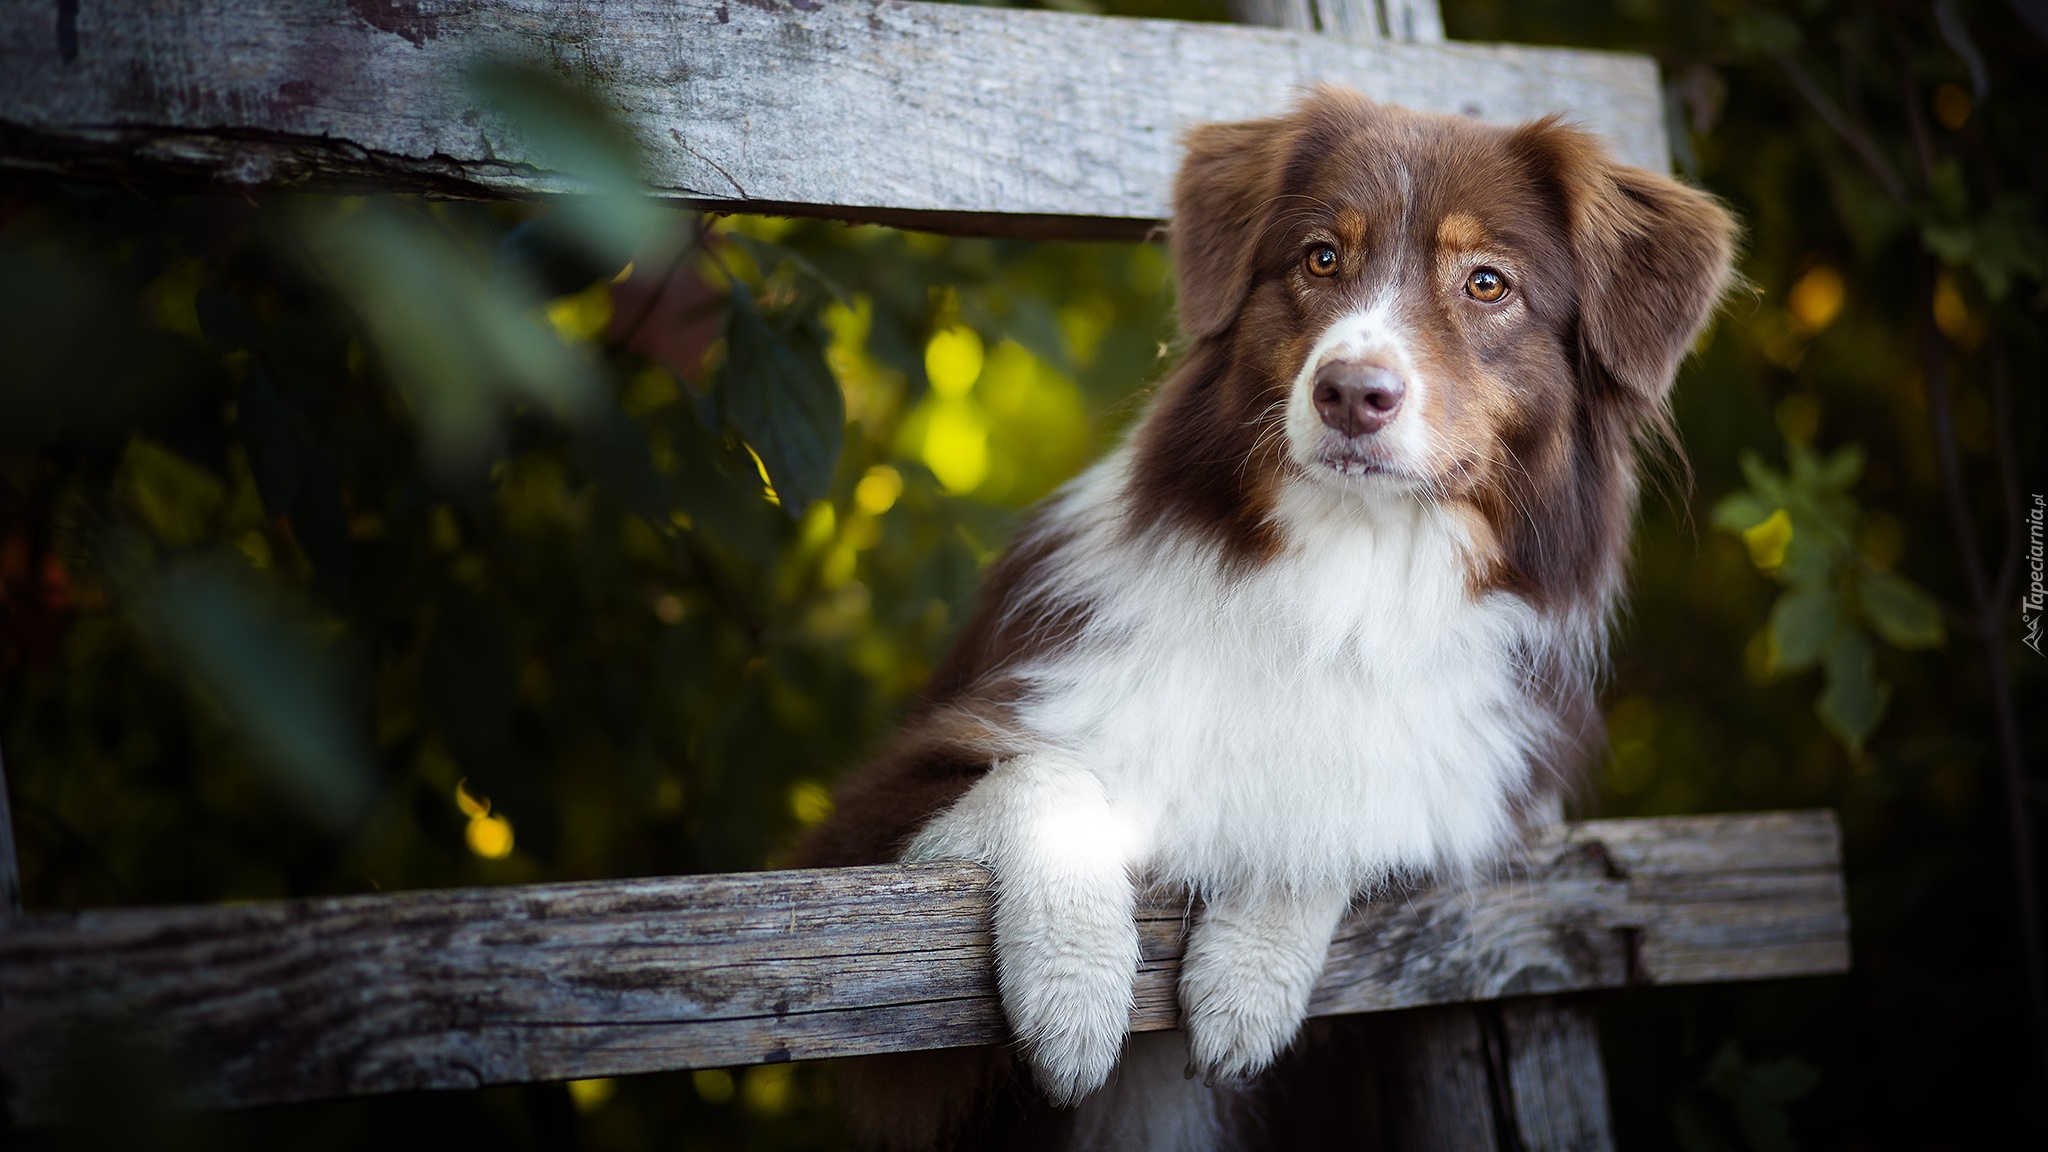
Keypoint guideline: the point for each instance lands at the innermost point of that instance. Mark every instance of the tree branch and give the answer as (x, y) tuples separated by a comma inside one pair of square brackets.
[(1856, 138)]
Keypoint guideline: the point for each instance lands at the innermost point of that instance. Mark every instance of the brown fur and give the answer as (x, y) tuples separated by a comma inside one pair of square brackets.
[(1614, 269)]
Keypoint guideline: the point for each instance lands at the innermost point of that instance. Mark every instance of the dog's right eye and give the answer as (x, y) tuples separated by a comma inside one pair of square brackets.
[(1322, 260)]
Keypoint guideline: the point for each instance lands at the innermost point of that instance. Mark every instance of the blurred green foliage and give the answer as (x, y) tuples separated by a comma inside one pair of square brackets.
[(357, 544), (1799, 527)]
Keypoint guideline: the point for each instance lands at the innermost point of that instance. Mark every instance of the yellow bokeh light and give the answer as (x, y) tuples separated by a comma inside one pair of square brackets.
[(650, 388), (1760, 657), (1817, 299), (953, 361), (1951, 314), (956, 445), (583, 316), (489, 836), (1951, 107), (1767, 541), (444, 529), (590, 1095), (878, 490), (471, 806), (713, 1084), (256, 547), (1084, 323), (766, 1088), (1798, 418), (809, 802), (668, 795), (820, 526), (839, 566), (1882, 541), (1631, 730)]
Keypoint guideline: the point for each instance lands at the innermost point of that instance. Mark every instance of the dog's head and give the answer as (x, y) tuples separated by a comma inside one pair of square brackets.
[(1409, 305)]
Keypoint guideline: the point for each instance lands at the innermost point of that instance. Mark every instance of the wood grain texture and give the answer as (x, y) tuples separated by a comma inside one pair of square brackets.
[(1441, 1088), (1556, 1084), (968, 118), (315, 998)]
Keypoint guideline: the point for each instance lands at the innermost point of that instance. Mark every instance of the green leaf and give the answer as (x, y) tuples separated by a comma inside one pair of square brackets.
[(258, 660), (1854, 699), (1899, 611), (1842, 469), (769, 257), (1768, 484), (1954, 243), (566, 129), (1808, 563), (1802, 623), (462, 348), (777, 391), (1738, 512)]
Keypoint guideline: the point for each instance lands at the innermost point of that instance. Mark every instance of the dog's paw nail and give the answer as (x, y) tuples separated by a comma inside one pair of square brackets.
[(1188, 1073)]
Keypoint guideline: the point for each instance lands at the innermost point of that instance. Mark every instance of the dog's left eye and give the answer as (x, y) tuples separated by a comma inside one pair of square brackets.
[(1486, 285), (1322, 260)]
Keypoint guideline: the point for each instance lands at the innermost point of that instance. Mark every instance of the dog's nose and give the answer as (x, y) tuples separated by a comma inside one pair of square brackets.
[(1356, 398)]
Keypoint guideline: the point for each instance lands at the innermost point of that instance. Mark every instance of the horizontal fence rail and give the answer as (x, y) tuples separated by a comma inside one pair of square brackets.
[(274, 1002), (949, 116)]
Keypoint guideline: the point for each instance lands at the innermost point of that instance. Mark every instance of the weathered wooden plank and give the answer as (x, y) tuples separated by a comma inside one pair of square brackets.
[(910, 113), (1556, 1084), (1442, 1093), (1408, 20), (348, 996)]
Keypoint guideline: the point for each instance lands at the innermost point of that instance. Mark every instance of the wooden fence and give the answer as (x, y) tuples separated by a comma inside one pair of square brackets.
[(301, 999), (974, 119), (966, 119)]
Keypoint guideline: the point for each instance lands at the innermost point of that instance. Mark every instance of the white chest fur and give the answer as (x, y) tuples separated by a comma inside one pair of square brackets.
[(1343, 714)]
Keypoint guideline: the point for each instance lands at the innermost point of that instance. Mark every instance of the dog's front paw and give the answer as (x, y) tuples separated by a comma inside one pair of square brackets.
[(1066, 972), (1245, 981), (1066, 940), (1237, 1021)]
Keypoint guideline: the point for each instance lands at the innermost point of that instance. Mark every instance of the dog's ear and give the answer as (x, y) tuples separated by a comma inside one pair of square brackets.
[(1229, 176), (1653, 256)]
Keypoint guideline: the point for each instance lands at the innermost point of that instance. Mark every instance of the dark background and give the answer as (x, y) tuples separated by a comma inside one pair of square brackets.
[(368, 544)]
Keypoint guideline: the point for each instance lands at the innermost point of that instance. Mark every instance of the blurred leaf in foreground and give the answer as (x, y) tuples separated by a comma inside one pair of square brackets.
[(462, 349), (567, 130), (275, 682)]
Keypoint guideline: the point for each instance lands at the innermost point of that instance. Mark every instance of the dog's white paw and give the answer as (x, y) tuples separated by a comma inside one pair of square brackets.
[(1237, 1022), (1066, 937), (1066, 960), (1067, 991), (1246, 978)]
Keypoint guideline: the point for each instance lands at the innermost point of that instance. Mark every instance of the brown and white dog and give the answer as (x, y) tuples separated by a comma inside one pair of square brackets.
[(1328, 622)]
